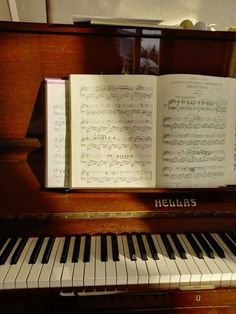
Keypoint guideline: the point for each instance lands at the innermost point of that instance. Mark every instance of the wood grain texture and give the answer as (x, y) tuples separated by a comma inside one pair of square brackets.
[(31, 52)]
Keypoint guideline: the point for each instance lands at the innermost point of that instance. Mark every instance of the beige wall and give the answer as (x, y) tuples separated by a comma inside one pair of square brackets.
[(220, 12)]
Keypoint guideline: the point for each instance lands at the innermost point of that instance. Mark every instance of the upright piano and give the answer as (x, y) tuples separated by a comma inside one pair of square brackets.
[(109, 251)]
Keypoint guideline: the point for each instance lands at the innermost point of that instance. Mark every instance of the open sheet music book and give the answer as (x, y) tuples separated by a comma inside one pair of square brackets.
[(140, 131)]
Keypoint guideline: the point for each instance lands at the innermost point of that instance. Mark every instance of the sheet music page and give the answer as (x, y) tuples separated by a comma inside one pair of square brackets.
[(234, 177), (195, 131), (56, 133), (113, 130)]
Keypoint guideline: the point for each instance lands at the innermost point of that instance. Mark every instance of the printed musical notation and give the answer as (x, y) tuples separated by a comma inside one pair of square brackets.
[(235, 153), (115, 93), (60, 172), (193, 139), (193, 156), (197, 105), (195, 122), (116, 178), (193, 135), (57, 133), (59, 109), (116, 134), (112, 160), (187, 173)]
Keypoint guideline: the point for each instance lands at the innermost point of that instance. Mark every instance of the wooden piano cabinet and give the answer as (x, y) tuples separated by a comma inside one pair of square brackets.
[(205, 302), (31, 52)]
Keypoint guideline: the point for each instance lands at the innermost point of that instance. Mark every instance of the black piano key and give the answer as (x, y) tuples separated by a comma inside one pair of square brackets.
[(48, 250), (36, 250), (231, 245), (104, 256), (179, 246), (206, 247), (168, 246), (115, 250), (214, 244), (141, 246), (152, 246), (19, 250), (7, 250), (194, 245), (75, 254), (65, 250), (131, 247), (87, 249), (232, 236)]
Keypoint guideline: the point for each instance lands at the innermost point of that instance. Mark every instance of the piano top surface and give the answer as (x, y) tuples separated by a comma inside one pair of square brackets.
[(31, 52)]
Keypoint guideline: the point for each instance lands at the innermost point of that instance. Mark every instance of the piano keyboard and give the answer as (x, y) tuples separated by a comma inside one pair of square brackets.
[(113, 262)]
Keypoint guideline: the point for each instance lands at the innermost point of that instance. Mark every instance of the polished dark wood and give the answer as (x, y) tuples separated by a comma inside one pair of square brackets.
[(209, 301), (31, 52)]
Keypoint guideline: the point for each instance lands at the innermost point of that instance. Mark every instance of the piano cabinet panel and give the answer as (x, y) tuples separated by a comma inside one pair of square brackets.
[(59, 227), (192, 302), (27, 205)]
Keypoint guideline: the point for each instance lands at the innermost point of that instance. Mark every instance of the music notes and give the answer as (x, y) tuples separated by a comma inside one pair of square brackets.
[(194, 122), (57, 169), (197, 105), (197, 174), (115, 131), (193, 129), (190, 155), (116, 178), (109, 92)]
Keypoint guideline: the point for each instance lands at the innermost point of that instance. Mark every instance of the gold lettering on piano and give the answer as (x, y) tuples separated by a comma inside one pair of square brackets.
[(198, 298), (169, 202), (197, 287)]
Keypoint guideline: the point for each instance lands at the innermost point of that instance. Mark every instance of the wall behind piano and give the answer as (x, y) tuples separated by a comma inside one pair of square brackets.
[(172, 12)]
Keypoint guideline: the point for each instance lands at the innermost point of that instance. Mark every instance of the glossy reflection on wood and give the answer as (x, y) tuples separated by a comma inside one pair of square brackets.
[(31, 52)]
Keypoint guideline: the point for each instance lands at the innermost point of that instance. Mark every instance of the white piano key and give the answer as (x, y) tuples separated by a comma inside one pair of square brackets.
[(111, 276), (55, 277), (162, 266), (216, 274), (5, 244), (6, 266), (100, 273), (206, 275), (132, 275), (153, 274), (78, 275), (68, 266), (44, 278), (195, 277), (226, 274), (32, 280), (89, 267), (9, 281), (3, 248), (173, 270), (121, 265), (21, 279), (229, 259), (140, 264), (185, 274)]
